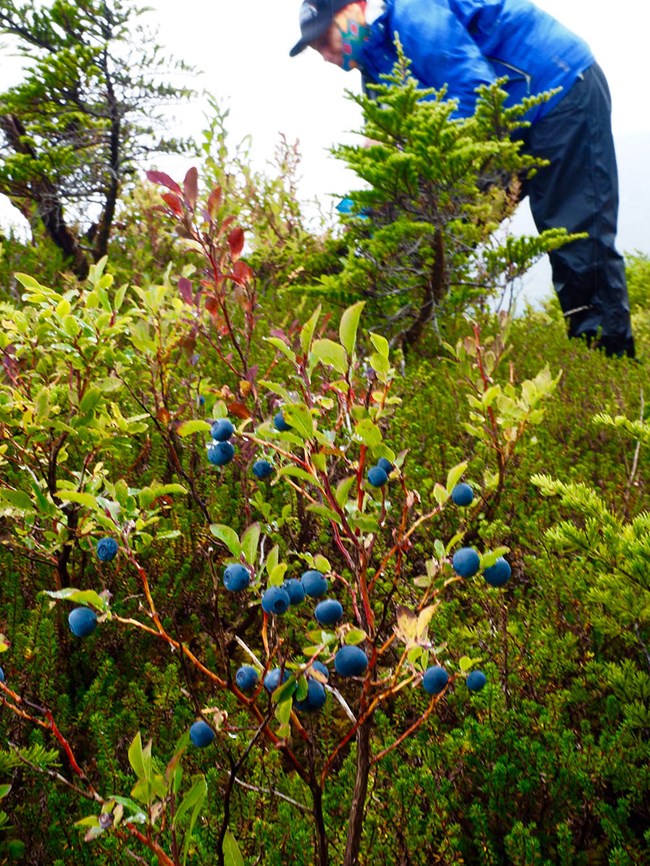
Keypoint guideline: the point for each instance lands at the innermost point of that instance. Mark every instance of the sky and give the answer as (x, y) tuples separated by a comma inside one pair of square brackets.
[(243, 50)]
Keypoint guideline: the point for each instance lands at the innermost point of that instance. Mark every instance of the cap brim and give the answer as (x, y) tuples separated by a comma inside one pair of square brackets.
[(312, 31), (299, 47)]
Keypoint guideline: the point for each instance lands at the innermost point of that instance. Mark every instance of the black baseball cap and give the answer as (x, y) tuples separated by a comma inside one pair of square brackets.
[(315, 18)]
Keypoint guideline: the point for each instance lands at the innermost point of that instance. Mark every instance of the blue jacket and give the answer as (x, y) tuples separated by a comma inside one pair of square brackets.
[(465, 43)]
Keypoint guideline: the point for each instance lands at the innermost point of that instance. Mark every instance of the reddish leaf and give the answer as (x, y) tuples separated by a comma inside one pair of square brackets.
[(241, 273), (211, 304), (225, 225), (236, 242), (188, 344), (214, 202), (164, 180), (163, 415), (239, 410), (185, 290), (173, 202), (191, 187)]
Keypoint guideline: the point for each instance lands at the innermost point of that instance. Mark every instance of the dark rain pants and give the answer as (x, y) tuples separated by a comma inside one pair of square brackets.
[(579, 191)]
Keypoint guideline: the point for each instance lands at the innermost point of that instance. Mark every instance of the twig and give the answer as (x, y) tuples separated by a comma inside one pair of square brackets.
[(274, 793)]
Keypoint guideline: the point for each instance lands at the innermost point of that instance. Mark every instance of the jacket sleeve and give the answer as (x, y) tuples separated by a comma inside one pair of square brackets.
[(442, 51)]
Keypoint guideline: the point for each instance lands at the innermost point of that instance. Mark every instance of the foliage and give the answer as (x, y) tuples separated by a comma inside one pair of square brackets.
[(283, 244), (141, 349), (422, 237), (87, 112), (107, 401)]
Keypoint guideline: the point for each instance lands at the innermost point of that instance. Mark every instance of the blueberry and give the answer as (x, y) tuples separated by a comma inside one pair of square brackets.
[(222, 430), (107, 549), (499, 573), (315, 698), (236, 577), (377, 476), (275, 600), (329, 612), (220, 453), (262, 469), (466, 561), (246, 678), (2, 675), (350, 661), (321, 668), (82, 621), (314, 583), (434, 680), (201, 734), (385, 464), (294, 589), (280, 424), (272, 679), (475, 681), (462, 494)]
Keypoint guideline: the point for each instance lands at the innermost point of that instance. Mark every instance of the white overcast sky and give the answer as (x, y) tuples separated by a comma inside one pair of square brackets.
[(242, 48)]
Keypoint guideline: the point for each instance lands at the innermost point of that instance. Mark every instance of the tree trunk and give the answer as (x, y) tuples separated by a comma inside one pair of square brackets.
[(357, 808), (45, 196), (322, 851), (433, 294)]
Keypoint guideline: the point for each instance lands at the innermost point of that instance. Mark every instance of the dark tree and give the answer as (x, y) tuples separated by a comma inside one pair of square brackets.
[(87, 112)]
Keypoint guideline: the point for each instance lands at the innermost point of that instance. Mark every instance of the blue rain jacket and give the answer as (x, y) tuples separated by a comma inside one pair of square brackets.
[(465, 43)]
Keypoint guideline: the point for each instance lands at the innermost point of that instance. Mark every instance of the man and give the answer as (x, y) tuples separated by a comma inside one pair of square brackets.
[(462, 44)]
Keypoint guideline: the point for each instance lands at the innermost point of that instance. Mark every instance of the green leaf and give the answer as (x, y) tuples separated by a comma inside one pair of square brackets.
[(75, 496), (249, 542), (349, 325), (228, 536), (281, 346), (465, 663), (454, 541), (272, 559), (297, 472), (79, 596), (285, 690), (454, 475), (364, 522), (414, 654), (4, 790), (194, 800), (355, 636), (231, 854), (194, 426), (90, 400), (136, 815), (381, 344), (283, 714), (276, 575), (343, 489), (324, 511), (307, 333), (136, 757), (300, 419), (110, 384), (27, 281), (379, 364), (331, 354), (440, 494), (369, 433), (490, 557), (321, 563), (17, 499)]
